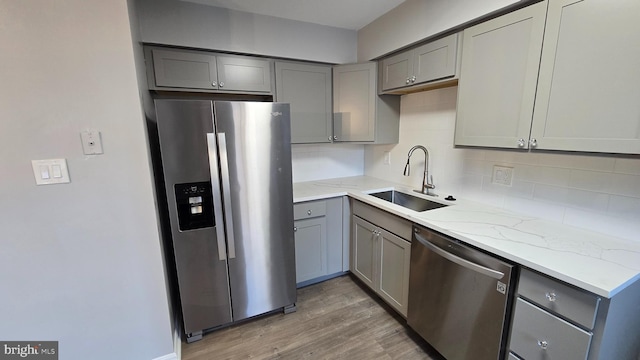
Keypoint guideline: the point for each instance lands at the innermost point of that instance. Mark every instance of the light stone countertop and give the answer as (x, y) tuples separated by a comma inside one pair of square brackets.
[(592, 261)]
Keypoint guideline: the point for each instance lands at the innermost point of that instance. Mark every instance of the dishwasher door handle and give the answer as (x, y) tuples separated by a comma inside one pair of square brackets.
[(458, 260)]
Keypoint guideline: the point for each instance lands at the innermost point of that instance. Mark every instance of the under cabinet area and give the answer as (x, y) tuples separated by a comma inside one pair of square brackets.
[(429, 62), (381, 253), (307, 87), (360, 114), (318, 231), (172, 69)]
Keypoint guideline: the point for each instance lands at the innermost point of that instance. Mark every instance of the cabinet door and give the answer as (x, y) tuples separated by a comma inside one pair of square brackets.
[(498, 77), (308, 89), (364, 251), (311, 248), (589, 88), (435, 60), (397, 70), (244, 74), (395, 256), (184, 69), (354, 96)]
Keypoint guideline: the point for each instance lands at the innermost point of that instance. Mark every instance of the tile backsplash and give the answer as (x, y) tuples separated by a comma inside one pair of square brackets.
[(596, 192), (325, 161)]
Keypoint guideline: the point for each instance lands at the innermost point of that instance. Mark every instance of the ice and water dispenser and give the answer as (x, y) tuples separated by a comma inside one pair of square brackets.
[(195, 205)]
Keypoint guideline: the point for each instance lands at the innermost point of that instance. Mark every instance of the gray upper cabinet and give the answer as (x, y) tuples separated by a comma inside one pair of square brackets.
[(360, 114), (190, 70), (499, 71), (397, 70), (244, 74), (588, 96), (429, 62), (183, 69), (307, 88)]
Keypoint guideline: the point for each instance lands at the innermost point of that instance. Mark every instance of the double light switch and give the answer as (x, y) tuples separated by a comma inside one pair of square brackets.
[(50, 171)]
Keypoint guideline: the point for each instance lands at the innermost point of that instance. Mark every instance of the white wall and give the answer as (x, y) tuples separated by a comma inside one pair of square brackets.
[(415, 20), (181, 23), (80, 262), (325, 161), (596, 192)]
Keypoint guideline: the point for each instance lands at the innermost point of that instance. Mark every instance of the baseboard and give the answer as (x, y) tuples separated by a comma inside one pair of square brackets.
[(177, 334), (320, 279), (177, 343), (177, 339), (171, 356)]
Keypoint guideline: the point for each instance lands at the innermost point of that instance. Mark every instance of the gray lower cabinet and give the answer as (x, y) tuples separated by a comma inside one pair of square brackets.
[(190, 70), (553, 320), (360, 114), (538, 334), (381, 258), (318, 230), (307, 87), (429, 62)]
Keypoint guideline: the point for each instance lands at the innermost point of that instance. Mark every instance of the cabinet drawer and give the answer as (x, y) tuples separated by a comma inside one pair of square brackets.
[(537, 334), (576, 305), (309, 209), (383, 219)]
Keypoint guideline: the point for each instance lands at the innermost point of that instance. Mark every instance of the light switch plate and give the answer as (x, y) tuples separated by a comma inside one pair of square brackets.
[(50, 171), (91, 142), (387, 157)]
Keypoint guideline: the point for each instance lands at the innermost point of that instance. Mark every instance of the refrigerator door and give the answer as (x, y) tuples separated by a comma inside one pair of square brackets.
[(254, 141), (189, 162)]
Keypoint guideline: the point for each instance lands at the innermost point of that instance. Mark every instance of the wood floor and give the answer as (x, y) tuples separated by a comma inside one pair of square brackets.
[(336, 319)]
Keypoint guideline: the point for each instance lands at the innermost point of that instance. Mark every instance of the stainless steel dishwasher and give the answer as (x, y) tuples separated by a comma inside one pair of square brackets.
[(459, 297)]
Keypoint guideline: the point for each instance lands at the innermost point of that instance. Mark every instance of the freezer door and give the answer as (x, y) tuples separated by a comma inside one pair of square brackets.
[(254, 142), (195, 211)]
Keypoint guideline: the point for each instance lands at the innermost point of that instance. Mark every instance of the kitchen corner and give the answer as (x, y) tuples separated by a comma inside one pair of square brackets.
[(592, 261)]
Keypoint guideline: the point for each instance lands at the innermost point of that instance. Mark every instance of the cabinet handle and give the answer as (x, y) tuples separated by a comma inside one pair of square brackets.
[(413, 79), (408, 81), (533, 142), (543, 344), (551, 296), (213, 83), (221, 83), (520, 142), (295, 228), (330, 138), (308, 212), (335, 137)]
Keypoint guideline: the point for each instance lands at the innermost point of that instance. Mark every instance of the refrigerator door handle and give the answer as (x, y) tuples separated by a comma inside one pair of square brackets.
[(226, 191), (217, 198)]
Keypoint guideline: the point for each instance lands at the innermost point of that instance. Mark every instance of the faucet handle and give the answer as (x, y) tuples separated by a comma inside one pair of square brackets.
[(430, 184)]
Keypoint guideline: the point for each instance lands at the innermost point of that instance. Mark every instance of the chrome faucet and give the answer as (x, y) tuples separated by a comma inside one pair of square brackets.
[(427, 181)]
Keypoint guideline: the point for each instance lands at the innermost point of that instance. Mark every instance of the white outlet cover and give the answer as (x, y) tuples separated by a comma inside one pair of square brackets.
[(502, 175), (91, 142)]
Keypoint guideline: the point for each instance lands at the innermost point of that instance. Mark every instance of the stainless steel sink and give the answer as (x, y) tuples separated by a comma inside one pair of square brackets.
[(409, 201)]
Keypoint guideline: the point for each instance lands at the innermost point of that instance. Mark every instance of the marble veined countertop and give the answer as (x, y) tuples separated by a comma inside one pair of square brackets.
[(598, 263)]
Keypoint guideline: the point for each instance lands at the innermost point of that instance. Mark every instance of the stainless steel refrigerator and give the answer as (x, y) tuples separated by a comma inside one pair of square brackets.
[(227, 175)]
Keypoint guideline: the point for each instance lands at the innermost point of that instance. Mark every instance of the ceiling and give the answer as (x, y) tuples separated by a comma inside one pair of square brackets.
[(346, 14)]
